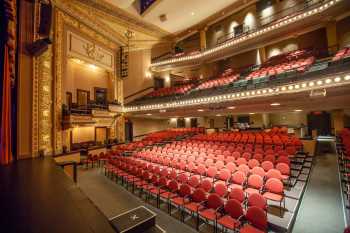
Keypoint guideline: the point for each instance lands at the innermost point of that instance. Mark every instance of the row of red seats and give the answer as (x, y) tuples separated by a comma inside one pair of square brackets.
[(218, 82), (220, 167), (219, 157), (299, 60), (157, 137), (226, 148), (192, 198), (341, 54), (168, 91), (250, 138)]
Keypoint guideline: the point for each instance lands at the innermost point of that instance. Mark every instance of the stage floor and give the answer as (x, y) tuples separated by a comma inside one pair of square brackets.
[(38, 197)]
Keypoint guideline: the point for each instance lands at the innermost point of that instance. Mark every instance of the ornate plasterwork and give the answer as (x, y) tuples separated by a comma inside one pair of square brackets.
[(128, 20), (62, 21), (89, 51), (112, 26), (42, 98), (89, 19)]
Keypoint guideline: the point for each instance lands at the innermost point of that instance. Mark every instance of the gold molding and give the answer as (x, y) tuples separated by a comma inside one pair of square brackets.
[(42, 98), (125, 18), (63, 20)]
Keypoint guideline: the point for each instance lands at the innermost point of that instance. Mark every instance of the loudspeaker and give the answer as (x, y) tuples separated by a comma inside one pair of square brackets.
[(45, 19), (38, 47)]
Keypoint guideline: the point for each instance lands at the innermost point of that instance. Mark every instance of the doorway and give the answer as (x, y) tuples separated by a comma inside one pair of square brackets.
[(100, 135), (129, 135), (319, 122), (100, 95), (69, 99), (194, 123), (83, 97)]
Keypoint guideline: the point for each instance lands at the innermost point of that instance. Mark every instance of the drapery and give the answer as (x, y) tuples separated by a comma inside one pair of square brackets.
[(5, 136), (7, 75)]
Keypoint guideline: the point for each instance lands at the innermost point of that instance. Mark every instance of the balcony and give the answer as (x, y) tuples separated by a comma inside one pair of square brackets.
[(307, 17), (324, 73), (100, 115)]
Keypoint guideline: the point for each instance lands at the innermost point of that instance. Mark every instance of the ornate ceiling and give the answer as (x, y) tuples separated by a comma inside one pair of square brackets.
[(112, 23)]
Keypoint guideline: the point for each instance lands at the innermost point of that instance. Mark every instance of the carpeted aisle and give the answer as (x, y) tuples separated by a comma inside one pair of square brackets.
[(321, 207)]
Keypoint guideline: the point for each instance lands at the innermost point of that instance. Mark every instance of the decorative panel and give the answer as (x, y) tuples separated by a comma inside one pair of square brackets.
[(42, 99), (87, 50)]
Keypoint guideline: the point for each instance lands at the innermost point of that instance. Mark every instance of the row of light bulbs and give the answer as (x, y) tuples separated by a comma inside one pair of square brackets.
[(285, 89), (249, 36)]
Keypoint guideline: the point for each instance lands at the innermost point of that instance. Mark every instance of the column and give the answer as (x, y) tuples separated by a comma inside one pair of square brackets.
[(203, 39), (337, 120), (262, 54), (332, 41)]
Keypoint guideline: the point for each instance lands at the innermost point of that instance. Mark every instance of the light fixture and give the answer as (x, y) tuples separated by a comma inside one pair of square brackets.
[(200, 110), (275, 104), (298, 110), (231, 107), (252, 113), (149, 114), (337, 79), (92, 66), (347, 77), (218, 115)]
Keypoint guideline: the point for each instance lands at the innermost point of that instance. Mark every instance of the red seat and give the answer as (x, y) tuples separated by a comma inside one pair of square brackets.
[(238, 180), (237, 194), (206, 185), (258, 171), (233, 213), (220, 189), (209, 209), (180, 199), (255, 184), (257, 221), (273, 190), (256, 199)]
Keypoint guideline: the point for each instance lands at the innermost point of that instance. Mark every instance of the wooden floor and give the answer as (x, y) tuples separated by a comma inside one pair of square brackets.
[(36, 196)]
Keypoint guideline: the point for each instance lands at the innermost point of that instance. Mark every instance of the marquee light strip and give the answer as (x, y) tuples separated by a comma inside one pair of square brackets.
[(259, 32), (265, 92)]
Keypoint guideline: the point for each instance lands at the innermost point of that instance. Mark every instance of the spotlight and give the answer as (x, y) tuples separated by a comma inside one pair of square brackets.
[(275, 104)]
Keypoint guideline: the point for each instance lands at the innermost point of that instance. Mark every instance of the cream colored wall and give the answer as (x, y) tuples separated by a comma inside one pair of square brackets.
[(201, 122), (256, 120), (268, 13), (291, 119), (247, 16), (85, 77), (139, 62), (143, 126), (83, 134), (281, 47), (161, 49), (241, 60)]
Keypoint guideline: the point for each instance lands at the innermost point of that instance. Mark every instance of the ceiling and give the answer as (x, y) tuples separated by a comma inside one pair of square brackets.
[(181, 14)]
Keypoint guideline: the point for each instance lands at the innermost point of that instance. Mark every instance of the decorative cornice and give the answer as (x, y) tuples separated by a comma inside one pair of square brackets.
[(125, 18), (90, 20)]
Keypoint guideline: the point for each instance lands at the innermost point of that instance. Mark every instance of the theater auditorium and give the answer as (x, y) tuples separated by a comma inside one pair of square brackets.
[(175, 116)]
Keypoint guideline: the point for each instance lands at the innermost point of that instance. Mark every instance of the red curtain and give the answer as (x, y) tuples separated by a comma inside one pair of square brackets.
[(5, 136)]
